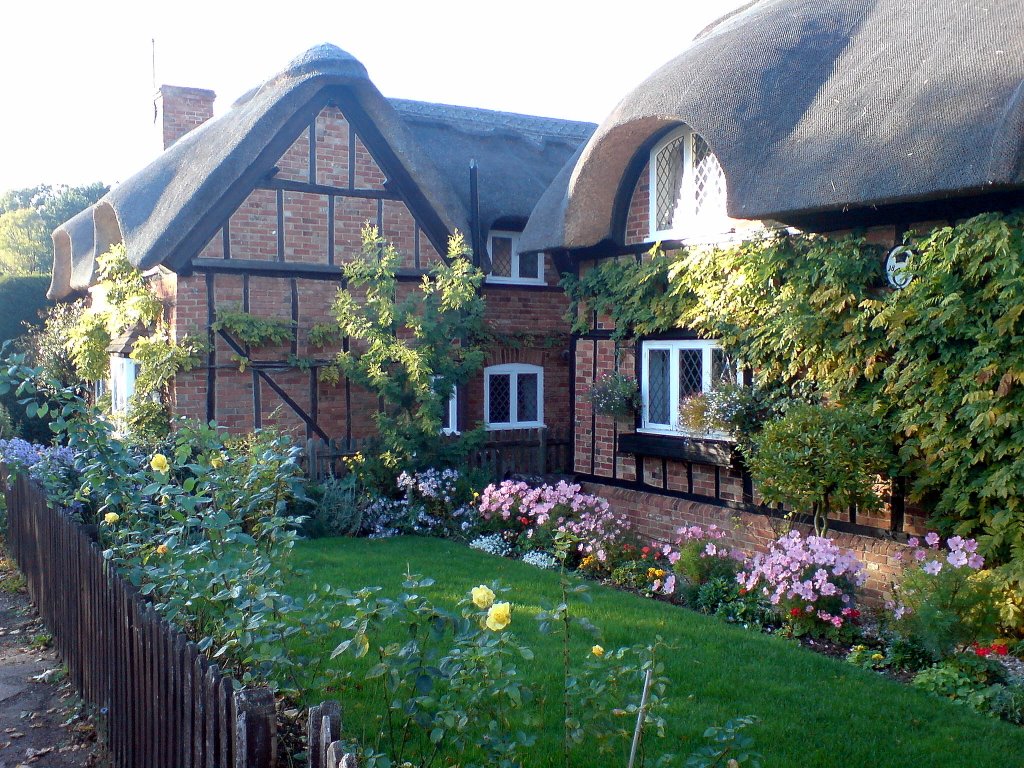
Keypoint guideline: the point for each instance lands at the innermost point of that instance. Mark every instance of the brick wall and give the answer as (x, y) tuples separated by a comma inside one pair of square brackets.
[(657, 517), (242, 401), (638, 220)]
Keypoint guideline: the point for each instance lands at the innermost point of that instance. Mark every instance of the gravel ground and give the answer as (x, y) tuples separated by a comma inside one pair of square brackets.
[(41, 720)]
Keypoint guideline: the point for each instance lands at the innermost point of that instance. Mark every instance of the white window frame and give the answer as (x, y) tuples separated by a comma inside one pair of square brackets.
[(674, 346), (689, 226), (123, 372), (514, 278), (453, 410), (514, 370)]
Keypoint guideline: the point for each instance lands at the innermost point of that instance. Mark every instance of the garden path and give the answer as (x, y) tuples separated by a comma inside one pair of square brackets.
[(40, 724)]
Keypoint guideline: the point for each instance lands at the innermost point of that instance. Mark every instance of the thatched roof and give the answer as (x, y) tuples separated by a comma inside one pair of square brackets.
[(170, 209), (818, 105)]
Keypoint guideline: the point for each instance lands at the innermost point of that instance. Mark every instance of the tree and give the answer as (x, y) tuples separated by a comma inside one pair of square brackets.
[(28, 217)]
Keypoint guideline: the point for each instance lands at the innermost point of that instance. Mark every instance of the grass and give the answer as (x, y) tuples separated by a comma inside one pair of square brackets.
[(814, 711)]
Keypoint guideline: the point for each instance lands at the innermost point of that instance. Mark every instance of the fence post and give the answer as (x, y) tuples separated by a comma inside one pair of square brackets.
[(312, 463), (255, 728), (323, 725)]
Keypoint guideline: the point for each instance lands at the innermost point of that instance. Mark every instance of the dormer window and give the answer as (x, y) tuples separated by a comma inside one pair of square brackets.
[(508, 265), (688, 191)]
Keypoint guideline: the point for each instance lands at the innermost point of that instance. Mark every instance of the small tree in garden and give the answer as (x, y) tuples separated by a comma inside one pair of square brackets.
[(817, 458), (410, 350)]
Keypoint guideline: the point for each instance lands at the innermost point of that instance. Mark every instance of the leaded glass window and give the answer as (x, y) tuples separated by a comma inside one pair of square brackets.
[(508, 265), (674, 370), (514, 396), (688, 188)]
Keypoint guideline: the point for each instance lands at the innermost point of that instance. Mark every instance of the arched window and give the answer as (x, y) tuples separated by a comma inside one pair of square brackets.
[(688, 192)]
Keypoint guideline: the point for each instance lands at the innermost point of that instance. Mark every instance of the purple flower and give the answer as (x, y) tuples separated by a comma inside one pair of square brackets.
[(975, 561), (932, 539), (932, 567)]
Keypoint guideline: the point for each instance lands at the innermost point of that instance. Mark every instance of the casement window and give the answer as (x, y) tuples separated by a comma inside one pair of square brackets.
[(450, 413), (674, 370), (123, 371), (508, 265), (513, 396), (688, 192)]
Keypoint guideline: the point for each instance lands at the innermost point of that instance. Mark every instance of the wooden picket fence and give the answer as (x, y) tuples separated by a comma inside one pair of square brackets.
[(509, 452), (162, 703)]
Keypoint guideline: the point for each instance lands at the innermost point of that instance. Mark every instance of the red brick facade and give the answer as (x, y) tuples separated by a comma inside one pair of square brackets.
[(316, 228)]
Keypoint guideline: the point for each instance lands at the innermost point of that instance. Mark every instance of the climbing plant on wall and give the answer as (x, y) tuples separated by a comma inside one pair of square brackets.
[(410, 348), (939, 363)]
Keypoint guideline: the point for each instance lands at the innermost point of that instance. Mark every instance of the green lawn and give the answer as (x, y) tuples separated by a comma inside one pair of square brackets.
[(813, 711)]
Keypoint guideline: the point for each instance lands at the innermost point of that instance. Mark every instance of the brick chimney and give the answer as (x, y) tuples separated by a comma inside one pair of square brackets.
[(178, 110)]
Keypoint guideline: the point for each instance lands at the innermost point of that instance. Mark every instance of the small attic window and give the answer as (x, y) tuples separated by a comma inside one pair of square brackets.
[(510, 266), (688, 190)]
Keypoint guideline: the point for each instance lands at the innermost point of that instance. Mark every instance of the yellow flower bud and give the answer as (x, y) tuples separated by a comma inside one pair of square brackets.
[(111, 517), (483, 597), (217, 462), (162, 549), (499, 616), (597, 650), (160, 463)]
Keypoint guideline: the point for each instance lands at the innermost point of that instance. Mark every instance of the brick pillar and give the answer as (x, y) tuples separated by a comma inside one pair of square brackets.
[(179, 110)]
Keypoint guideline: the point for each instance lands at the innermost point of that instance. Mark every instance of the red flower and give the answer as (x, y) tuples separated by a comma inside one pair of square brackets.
[(982, 650), (645, 550), (794, 612), (999, 649), (743, 590)]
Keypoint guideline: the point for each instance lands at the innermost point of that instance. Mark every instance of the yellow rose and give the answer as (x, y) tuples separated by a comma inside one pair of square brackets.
[(597, 650), (499, 616), (483, 597), (162, 549), (877, 657), (160, 463), (111, 517), (217, 462)]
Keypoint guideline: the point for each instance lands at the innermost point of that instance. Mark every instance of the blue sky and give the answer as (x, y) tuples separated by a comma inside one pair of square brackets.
[(77, 78)]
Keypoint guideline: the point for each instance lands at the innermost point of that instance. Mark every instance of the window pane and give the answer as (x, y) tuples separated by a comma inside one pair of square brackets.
[(669, 181), (526, 397), (501, 256), (691, 372), (528, 263), (658, 386), (446, 415), (708, 181), (499, 404), (723, 368)]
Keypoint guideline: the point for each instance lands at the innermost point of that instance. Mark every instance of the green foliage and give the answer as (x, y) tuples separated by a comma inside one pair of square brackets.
[(723, 597), (23, 298), (411, 350), (251, 330), (46, 346), (947, 611), (729, 747), (323, 335), (817, 458), (160, 358), (979, 683), (23, 239), (88, 340), (6, 423), (940, 363)]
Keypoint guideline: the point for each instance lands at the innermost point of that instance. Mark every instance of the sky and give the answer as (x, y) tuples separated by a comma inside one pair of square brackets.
[(77, 78)]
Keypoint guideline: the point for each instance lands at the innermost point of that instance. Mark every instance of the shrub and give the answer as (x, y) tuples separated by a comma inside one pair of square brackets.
[(701, 557), (6, 423), (809, 581), (943, 601), (976, 681), (23, 298), (337, 508), (644, 576), (529, 518), (723, 597)]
